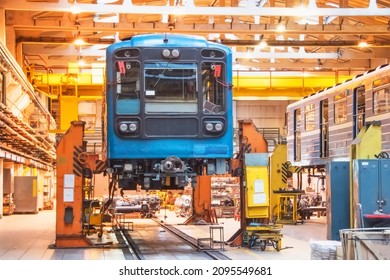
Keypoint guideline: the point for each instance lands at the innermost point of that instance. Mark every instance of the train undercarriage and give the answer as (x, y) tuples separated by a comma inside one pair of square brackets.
[(169, 173)]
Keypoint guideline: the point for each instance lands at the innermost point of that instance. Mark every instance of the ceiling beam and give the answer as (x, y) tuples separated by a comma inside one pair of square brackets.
[(103, 43), (361, 65), (25, 21), (252, 9), (98, 50)]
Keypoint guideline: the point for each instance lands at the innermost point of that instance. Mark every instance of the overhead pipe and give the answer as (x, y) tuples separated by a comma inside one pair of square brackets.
[(25, 128), (18, 139), (43, 146), (11, 124), (36, 162)]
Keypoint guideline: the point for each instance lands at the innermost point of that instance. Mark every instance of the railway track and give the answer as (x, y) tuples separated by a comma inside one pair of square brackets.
[(132, 249), (214, 254)]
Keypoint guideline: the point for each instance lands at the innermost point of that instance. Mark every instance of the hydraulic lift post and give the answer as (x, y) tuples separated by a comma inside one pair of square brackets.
[(69, 205)]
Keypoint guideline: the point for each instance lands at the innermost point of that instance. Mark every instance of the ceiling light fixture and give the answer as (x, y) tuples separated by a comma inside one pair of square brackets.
[(79, 42), (363, 44), (263, 44), (281, 27), (319, 65)]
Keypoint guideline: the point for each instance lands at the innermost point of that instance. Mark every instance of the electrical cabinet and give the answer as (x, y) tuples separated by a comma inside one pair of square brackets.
[(337, 198), (371, 188)]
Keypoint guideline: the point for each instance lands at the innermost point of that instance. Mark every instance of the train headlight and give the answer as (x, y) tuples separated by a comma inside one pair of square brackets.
[(218, 126), (128, 127), (123, 127), (166, 53), (175, 53), (133, 127), (209, 126), (213, 127)]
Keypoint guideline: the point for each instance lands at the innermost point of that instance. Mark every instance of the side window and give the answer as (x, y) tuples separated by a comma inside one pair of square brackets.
[(213, 88), (340, 108), (128, 74), (309, 117), (381, 95), (128, 87)]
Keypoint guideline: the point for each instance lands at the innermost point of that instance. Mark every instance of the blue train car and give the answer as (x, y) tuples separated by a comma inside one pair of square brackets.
[(322, 126), (168, 110)]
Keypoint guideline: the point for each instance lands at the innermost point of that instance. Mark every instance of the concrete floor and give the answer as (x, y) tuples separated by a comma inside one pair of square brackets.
[(30, 236), (26, 252)]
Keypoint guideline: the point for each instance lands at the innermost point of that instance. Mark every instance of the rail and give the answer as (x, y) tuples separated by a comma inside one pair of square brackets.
[(214, 254)]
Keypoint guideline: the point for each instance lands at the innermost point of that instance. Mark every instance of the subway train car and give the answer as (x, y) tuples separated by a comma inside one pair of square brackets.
[(168, 110), (322, 126)]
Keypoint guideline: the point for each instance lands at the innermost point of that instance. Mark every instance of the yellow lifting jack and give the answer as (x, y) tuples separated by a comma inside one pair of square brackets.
[(251, 165)]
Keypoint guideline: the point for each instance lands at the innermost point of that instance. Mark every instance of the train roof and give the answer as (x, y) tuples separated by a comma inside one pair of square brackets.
[(325, 91), (166, 40)]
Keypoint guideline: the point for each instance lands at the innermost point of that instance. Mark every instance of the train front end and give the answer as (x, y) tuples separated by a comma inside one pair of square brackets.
[(168, 110)]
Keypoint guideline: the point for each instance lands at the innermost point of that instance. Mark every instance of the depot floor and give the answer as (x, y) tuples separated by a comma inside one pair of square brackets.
[(31, 236)]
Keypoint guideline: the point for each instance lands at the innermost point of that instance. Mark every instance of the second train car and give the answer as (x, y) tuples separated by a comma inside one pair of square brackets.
[(168, 110), (322, 126)]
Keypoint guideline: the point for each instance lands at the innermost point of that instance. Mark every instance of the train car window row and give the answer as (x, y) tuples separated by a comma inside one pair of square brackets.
[(338, 114)]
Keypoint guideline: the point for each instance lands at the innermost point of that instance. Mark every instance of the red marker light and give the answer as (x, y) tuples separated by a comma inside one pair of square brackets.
[(121, 66), (217, 71)]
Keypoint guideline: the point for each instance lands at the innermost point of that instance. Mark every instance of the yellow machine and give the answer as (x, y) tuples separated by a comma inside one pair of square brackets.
[(93, 219), (284, 198), (251, 164)]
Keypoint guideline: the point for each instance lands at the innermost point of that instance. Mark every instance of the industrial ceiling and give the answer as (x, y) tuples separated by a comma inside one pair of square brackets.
[(299, 34)]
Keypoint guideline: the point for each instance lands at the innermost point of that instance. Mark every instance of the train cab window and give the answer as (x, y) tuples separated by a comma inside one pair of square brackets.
[(171, 88), (213, 88), (340, 108), (128, 87), (309, 117), (381, 95)]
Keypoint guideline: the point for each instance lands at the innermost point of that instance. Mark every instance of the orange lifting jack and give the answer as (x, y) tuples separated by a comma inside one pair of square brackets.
[(202, 202), (70, 167)]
